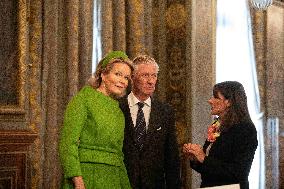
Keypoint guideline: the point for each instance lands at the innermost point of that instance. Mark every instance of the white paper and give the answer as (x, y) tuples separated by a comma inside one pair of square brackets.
[(231, 186)]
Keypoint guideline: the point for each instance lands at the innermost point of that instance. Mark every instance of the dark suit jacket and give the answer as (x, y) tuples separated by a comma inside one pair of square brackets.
[(157, 164), (230, 157)]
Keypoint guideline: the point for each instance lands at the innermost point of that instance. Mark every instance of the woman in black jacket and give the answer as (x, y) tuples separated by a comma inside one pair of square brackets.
[(228, 152)]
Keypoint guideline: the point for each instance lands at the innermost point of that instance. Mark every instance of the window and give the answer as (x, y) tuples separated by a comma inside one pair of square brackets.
[(97, 47), (235, 61)]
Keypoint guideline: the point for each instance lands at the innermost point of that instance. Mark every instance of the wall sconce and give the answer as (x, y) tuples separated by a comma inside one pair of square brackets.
[(261, 4)]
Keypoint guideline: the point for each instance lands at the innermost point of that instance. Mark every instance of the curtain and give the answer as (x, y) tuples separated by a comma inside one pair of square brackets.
[(67, 64), (126, 26), (67, 55), (235, 61)]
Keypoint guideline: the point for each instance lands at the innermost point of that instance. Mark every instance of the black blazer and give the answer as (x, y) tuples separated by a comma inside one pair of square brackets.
[(230, 157), (157, 164)]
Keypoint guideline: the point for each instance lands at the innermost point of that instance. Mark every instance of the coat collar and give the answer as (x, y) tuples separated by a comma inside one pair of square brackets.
[(133, 100)]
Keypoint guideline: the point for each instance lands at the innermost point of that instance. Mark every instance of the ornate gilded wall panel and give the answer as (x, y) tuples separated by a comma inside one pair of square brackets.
[(20, 119), (14, 60), (9, 53)]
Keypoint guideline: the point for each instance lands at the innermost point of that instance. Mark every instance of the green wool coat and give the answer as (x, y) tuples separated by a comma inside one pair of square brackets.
[(91, 141)]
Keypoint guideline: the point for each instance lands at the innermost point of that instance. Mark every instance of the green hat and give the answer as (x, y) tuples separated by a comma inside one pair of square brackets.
[(112, 55)]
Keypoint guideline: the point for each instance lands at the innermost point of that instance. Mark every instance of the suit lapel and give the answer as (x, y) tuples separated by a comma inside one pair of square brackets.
[(154, 118), (153, 122)]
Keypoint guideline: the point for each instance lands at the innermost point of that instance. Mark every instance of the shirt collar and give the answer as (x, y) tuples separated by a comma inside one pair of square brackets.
[(133, 100)]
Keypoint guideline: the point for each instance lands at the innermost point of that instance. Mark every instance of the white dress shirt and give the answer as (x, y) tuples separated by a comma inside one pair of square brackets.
[(133, 106)]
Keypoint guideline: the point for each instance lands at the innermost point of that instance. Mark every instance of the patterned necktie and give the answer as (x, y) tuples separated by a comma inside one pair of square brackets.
[(140, 128)]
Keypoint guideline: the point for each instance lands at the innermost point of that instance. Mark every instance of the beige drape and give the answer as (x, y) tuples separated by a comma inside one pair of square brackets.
[(66, 66), (124, 25)]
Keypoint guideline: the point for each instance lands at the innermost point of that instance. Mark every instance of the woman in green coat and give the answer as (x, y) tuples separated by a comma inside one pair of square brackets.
[(92, 136)]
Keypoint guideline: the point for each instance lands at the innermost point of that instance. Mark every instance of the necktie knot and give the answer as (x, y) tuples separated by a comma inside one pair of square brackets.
[(140, 105)]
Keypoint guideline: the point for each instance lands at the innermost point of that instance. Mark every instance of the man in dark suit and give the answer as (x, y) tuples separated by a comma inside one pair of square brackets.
[(150, 146)]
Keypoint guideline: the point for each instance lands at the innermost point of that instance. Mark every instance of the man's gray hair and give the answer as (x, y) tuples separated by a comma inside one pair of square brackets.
[(144, 59)]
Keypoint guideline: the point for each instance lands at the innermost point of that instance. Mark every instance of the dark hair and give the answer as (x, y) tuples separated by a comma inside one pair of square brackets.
[(238, 110)]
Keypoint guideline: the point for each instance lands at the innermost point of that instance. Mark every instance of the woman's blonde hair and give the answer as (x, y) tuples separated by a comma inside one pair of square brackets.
[(105, 67)]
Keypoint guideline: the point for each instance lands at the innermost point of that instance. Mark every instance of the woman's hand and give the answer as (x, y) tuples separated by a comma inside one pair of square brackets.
[(187, 154), (194, 152), (78, 182)]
